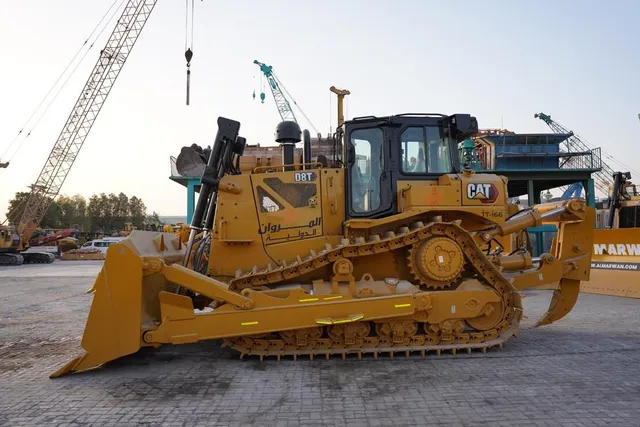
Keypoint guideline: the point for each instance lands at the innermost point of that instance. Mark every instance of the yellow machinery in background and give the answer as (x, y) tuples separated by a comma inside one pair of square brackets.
[(128, 228), (181, 230), (377, 256), (616, 243)]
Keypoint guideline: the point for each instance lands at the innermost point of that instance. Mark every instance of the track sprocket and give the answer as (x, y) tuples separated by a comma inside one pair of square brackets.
[(435, 263)]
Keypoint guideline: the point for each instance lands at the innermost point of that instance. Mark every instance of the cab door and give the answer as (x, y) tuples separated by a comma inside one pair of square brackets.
[(369, 180)]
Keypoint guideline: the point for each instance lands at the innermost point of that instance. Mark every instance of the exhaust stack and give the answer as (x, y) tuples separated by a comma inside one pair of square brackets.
[(288, 133), (306, 147)]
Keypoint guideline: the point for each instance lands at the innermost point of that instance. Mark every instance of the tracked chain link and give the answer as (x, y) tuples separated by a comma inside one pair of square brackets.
[(11, 259), (344, 339)]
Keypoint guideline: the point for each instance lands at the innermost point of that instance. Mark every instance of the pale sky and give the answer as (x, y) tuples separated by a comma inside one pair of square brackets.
[(501, 61)]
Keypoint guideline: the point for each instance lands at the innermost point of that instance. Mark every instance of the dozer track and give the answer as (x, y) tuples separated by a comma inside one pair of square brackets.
[(406, 335)]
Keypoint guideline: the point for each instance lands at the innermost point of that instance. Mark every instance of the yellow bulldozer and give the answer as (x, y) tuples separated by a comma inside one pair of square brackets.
[(377, 255), (616, 242)]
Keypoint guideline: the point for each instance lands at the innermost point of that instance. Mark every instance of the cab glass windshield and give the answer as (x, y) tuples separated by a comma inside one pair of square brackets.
[(365, 174), (424, 151)]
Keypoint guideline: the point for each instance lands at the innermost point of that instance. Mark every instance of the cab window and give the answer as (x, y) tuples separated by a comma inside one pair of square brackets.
[(629, 217), (424, 151), (86, 245), (366, 172)]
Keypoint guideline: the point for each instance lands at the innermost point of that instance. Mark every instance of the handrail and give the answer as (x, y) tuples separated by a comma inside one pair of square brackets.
[(272, 167)]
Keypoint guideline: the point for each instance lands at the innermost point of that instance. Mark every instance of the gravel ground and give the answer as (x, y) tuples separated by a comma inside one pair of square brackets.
[(582, 370)]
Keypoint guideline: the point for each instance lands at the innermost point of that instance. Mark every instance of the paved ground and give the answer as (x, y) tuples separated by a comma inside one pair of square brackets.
[(584, 370)]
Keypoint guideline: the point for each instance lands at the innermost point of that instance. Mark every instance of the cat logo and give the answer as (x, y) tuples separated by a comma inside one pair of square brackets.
[(486, 193)]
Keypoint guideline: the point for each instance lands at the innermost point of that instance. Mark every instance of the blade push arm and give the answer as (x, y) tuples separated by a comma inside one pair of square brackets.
[(567, 264)]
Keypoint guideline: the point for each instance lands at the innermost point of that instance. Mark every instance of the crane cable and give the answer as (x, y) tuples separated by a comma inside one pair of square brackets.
[(84, 44), (605, 154), (330, 114), (284, 89), (15, 209), (626, 167)]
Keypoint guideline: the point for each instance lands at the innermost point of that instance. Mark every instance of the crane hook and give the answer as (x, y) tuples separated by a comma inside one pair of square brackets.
[(188, 56)]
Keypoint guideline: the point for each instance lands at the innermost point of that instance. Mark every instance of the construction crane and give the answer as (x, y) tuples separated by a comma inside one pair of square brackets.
[(280, 95), (575, 147), (85, 111), (83, 115)]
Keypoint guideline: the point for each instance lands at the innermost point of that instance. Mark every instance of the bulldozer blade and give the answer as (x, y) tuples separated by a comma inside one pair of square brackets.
[(113, 325), (120, 305), (562, 302)]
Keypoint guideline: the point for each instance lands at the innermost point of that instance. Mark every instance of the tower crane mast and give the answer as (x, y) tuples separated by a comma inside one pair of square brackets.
[(84, 113)]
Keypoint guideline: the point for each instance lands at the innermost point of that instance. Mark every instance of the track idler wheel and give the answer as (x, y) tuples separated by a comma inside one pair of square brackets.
[(489, 319)]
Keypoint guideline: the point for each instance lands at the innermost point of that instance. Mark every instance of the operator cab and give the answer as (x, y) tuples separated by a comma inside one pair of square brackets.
[(383, 150)]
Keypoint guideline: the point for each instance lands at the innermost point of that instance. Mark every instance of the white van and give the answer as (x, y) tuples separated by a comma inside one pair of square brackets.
[(101, 244)]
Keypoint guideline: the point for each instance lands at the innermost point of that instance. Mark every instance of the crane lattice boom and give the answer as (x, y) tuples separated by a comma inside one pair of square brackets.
[(603, 178), (284, 108), (86, 109)]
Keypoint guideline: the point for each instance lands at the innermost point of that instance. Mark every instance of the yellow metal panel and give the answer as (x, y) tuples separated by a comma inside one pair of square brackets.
[(615, 267), (612, 282), (333, 201), (226, 258), (616, 245), (236, 218), (235, 236), (443, 192), (290, 211), (273, 314)]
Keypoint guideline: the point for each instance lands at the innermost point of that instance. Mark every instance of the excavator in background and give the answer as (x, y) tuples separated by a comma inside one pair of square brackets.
[(15, 250), (616, 242), (374, 255)]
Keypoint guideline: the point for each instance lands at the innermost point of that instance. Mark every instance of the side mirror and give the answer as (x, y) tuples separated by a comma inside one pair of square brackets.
[(351, 154)]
